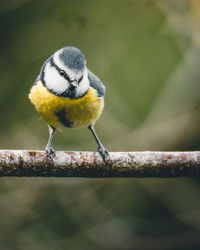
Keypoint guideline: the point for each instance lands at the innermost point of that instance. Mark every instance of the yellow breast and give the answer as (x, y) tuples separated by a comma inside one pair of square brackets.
[(58, 111)]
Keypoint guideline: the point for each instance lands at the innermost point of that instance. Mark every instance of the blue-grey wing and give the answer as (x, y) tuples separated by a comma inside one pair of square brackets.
[(96, 83)]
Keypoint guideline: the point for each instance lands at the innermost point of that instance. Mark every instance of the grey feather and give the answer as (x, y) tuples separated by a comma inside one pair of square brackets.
[(72, 58), (96, 83)]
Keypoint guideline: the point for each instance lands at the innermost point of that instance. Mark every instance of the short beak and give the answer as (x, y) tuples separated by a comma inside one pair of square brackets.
[(74, 84)]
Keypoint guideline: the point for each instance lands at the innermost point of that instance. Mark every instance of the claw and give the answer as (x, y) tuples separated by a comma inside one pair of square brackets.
[(104, 153), (50, 152)]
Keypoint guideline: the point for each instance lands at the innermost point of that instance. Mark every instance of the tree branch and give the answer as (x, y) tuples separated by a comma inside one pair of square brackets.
[(89, 164)]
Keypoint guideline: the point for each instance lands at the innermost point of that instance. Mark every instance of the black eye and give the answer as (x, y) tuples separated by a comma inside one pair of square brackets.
[(80, 79), (62, 72)]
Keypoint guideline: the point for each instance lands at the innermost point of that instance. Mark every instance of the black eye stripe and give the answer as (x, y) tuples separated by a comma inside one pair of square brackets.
[(61, 72), (80, 79), (66, 77)]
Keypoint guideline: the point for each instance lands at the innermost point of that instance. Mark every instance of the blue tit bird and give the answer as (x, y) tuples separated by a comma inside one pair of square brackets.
[(66, 93)]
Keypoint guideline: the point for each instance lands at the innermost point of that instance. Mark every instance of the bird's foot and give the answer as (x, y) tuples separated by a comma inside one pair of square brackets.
[(50, 152), (104, 153)]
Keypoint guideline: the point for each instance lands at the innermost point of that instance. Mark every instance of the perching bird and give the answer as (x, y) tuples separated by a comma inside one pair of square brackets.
[(67, 93)]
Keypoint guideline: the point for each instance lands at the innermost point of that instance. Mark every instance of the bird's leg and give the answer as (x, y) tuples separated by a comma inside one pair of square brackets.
[(103, 152), (50, 151)]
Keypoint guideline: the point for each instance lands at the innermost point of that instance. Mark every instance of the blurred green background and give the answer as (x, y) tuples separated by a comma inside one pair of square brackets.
[(147, 53)]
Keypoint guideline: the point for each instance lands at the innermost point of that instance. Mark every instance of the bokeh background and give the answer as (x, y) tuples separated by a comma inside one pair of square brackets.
[(147, 53)]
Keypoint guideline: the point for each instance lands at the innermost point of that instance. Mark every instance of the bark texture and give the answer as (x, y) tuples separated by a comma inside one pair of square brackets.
[(89, 164)]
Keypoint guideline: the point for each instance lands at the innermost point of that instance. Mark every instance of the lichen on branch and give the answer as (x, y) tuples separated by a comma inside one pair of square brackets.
[(89, 164)]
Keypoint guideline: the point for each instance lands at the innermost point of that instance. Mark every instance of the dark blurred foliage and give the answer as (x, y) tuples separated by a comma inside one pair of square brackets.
[(147, 53)]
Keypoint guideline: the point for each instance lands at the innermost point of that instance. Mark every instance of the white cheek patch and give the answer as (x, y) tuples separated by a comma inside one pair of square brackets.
[(53, 80)]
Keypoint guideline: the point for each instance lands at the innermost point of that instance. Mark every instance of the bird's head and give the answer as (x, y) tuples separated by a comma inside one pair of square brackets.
[(65, 73)]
